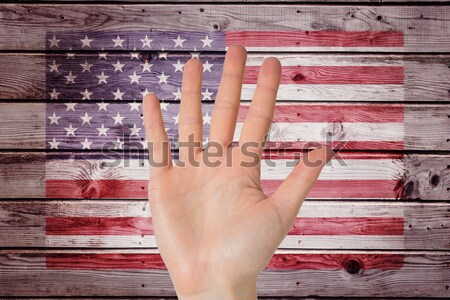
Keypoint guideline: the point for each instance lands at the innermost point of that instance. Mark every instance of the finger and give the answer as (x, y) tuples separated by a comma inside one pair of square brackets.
[(290, 195), (260, 114), (190, 121), (226, 105), (158, 144)]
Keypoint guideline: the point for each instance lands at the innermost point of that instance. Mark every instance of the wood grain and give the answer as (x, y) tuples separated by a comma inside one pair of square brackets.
[(33, 224), (24, 273), (333, 77), (425, 28)]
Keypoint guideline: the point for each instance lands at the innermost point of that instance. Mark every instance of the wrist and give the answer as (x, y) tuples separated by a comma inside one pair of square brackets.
[(243, 291)]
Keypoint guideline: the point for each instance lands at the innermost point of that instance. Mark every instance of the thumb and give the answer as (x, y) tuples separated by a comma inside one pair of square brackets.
[(290, 195)]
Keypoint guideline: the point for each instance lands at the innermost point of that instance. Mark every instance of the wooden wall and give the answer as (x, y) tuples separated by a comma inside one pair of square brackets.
[(372, 77)]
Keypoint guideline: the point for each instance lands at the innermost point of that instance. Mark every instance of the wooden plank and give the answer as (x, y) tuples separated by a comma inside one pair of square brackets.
[(114, 175), (345, 126), (306, 77), (407, 28), (113, 273), (320, 225)]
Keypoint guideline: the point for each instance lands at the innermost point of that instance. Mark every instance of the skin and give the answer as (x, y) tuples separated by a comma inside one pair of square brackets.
[(214, 226)]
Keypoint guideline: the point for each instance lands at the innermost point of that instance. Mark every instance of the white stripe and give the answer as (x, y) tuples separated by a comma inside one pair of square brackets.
[(290, 241), (345, 131), (309, 209), (323, 49), (347, 169), (342, 60), (333, 92)]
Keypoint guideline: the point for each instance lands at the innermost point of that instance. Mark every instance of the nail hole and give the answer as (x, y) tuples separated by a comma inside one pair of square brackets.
[(202, 10), (379, 18)]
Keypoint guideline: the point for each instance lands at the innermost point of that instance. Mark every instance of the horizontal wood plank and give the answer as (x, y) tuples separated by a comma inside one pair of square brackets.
[(115, 175), (120, 125), (320, 225), (306, 77), (419, 28), (30, 273)]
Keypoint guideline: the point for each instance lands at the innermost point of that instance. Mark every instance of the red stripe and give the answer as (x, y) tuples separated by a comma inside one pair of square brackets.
[(332, 75), (344, 189), (350, 262), (98, 226), (125, 226), (333, 113), (131, 189), (320, 38)]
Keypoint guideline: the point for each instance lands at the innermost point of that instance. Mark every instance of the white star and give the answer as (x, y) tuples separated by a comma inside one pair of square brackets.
[(162, 77), (164, 106), (134, 54), (54, 94), (102, 106), (86, 67), (144, 144), (70, 130), (54, 144), (207, 66), (86, 42), (146, 67), (70, 106), (145, 92), (206, 94), (134, 78), (118, 66), (102, 130), (178, 42), (178, 66), (86, 94), (206, 42), (86, 144), (86, 119), (176, 118), (162, 54), (102, 78), (118, 119), (146, 42), (54, 67), (195, 55), (207, 119), (118, 42), (118, 94), (102, 55), (54, 42), (54, 119), (70, 78), (134, 106), (70, 55), (177, 94), (134, 130), (118, 144)]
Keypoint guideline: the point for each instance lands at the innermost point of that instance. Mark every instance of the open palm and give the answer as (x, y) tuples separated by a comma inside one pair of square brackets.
[(214, 226)]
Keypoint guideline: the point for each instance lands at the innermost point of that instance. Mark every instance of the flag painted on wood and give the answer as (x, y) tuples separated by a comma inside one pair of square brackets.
[(120, 125), (156, 63)]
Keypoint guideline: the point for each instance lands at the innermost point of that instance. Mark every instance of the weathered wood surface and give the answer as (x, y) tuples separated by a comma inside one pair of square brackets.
[(320, 225), (121, 273), (306, 77), (424, 28), (115, 175), (342, 125)]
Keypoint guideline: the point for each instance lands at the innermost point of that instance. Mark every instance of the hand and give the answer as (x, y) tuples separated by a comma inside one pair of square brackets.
[(214, 226)]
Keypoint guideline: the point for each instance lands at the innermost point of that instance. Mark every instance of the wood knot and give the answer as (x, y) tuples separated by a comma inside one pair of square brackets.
[(434, 180), (352, 266), (408, 190), (298, 77)]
